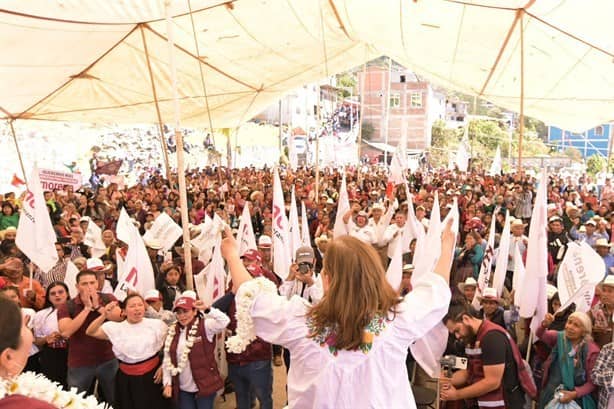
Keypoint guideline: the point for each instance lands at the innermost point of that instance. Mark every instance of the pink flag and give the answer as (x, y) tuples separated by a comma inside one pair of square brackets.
[(246, 237)]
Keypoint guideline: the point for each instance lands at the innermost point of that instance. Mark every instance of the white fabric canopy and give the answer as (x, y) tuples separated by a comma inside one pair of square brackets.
[(86, 60)]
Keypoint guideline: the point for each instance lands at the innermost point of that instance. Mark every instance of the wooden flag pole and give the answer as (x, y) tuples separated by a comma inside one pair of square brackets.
[(23, 170)]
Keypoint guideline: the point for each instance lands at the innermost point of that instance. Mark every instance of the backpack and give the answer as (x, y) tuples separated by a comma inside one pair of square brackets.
[(70, 304), (524, 373)]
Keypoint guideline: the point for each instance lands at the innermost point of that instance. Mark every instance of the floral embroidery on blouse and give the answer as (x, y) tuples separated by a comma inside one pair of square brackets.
[(328, 336)]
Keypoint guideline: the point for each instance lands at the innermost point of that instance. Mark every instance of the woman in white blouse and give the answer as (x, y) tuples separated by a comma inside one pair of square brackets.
[(136, 343), (53, 347), (190, 373), (348, 351)]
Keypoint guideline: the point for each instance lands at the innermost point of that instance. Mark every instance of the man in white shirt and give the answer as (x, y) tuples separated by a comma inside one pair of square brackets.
[(302, 280), (360, 228), (394, 232)]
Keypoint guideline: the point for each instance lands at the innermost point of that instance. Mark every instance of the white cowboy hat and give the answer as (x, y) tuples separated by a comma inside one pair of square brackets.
[(469, 281), (489, 294), (602, 243)]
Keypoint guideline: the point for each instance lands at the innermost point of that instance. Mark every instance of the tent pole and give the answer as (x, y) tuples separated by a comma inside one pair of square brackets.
[(318, 129), (387, 112), (23, 169), (155, 95), (361, 84), (521, 123), (183, 197)]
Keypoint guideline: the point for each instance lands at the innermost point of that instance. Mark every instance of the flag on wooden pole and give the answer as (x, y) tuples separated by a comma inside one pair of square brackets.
[(343, 205), (246, 237), (281, 241)]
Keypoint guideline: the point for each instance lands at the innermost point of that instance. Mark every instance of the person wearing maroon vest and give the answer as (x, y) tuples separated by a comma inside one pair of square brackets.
[(193, 383), (251, 371), (491, 377)]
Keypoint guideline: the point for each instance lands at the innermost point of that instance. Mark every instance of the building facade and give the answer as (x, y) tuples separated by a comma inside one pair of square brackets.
[(595, 141), (413, 106)]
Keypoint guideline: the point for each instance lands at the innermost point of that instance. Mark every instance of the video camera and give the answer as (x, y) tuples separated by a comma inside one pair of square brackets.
[(450, 362)]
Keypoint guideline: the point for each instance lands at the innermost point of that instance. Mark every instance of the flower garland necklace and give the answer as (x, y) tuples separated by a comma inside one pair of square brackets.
[(183, 359), (38, 387)]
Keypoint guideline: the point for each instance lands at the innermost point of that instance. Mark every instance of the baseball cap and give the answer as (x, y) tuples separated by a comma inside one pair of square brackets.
[(304, 255), (185, 303), (152, 295), (265, 241), (252, 255)]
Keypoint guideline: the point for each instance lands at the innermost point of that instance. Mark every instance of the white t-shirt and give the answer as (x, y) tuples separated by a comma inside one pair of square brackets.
[(377, 378), (134, 343)]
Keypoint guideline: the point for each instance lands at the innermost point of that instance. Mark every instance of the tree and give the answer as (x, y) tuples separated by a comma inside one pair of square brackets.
[(346, 81), (595, 163), (367, 131)]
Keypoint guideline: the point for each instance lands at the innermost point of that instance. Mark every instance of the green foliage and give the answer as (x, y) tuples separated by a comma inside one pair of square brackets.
[(573, 154), (367, 131), (346, 81), (484, 137), (595, 164)]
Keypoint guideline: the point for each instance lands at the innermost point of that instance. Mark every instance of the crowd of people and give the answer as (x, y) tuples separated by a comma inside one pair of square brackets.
[(328, 322)]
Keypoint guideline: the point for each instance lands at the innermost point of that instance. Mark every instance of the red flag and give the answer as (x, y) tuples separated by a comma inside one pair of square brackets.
[(389, 189), (16, 181)]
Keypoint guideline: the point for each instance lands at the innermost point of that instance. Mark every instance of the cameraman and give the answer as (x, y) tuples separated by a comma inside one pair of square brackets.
[(302, 281), (491, 376)]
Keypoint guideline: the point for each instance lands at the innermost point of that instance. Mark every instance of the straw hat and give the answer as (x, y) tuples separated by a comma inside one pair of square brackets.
[(602, 243), (517, 223), (609, 281), (321, 239), (551, 291)]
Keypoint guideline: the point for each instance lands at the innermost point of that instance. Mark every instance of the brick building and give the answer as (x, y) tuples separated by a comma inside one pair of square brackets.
[(414, 105)]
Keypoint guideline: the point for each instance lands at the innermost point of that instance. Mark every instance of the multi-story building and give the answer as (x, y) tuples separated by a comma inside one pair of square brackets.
[(590, 142), (413, 105)]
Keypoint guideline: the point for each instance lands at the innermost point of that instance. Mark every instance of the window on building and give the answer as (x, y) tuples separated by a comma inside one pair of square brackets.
[(416, 100), (599, 131), (403, 78), (395, 100)]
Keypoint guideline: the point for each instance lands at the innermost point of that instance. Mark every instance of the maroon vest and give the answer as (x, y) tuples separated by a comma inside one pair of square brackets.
[(202, 362), (493, 399), (257, 350)]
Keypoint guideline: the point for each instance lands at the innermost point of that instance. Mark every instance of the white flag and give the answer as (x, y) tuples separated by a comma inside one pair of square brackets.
[(426, 260), (485, 268), (502, 256), (305, 236), (205, 241), (398, 164), (215, 275), (246, 237), (533, 301), (495, 167), (519, 273), (164, 230), (35, 235), (295, 233), (428, 349), (137, 274), (281, 241), (93, 239), (580, 271), (70, 279), (394, 273), (413, 228), (343, 205), (455, 216), (462, 157)]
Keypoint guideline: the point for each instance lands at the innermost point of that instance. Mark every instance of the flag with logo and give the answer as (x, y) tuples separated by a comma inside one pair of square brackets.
[(398, 164), (580, 271), (164, 230), (137, 274), (213, 276), (35, 235), (486, 267), (281, 239)]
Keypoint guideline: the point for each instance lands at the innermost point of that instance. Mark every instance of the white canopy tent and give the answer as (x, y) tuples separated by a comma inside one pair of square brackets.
[(92, 61)]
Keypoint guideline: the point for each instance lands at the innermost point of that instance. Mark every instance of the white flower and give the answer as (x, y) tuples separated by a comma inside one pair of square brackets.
[(37, 386), (183, 359), (245, 332)]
